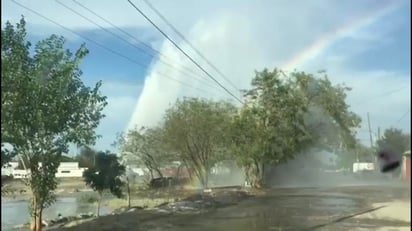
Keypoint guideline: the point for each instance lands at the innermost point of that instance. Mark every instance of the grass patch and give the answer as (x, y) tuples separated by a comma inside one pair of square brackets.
[(116, 203)]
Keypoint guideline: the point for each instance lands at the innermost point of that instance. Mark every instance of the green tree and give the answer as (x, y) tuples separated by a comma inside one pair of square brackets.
[(328, 118), (105, 175), (86, 158), (196, 129), (270, 127), (361, 153), (46, 107), (395, 140), (65, 158), (144, 147), (285, 115)]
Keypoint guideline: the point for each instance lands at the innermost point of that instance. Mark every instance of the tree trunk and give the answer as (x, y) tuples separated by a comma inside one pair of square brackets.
[(255, 174), (36, 223), (128, 192), (159, 172), (39, 220), (151, 174), (206, 178), (33, 215), (99, 201)]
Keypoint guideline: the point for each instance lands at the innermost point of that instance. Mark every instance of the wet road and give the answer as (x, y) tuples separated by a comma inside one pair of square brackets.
[(280, 209), (300, 209)]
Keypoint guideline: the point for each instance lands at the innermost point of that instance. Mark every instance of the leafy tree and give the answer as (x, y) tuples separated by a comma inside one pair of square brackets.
[(270, 127), (328, 118), (6, 155), (196, 130), (65, 158), (105, 175), (395, 140), (361, 153), (46, 107), (144, 147), (286, 115), (86, 158)]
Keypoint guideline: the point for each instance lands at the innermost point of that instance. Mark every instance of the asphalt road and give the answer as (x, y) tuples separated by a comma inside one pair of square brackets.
[(301, 209), (339, 208)]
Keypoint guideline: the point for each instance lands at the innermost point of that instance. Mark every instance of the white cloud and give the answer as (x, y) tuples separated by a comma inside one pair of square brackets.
[(238, 36), (250, 36), (121, 98), (119, 13)]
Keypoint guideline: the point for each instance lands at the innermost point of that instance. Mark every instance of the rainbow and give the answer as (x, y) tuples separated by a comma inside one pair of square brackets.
[(320, 45)]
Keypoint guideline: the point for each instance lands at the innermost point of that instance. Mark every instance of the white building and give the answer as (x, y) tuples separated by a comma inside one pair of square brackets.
[(65, 169), (70, 169), (7, 169)]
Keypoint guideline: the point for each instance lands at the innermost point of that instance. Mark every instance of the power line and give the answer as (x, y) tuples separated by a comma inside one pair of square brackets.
[(102, 46), (384, 94), (121, 38), (181, 50), (403, 116), (189, 43), (129, 35)]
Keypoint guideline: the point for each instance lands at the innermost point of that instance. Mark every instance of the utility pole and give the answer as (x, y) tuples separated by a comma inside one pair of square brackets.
[(370, 130), (370, 136), (379, 133)]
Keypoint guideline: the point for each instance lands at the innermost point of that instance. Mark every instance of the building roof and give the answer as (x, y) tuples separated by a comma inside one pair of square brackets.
[(407, 153)]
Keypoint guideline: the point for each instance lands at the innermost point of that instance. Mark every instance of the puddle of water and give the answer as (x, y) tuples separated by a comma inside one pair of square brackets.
[(275, 212), (15, 213)]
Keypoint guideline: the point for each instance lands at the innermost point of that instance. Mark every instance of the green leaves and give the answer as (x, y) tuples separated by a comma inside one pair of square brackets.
[(197, 130), (286, 115), (45, 106), (44, 96), (105, 175), (145, 147), (272, 118), (395, 140)]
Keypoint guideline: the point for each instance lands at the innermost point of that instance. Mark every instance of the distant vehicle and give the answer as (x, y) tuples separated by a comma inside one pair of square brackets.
[(363, 168)]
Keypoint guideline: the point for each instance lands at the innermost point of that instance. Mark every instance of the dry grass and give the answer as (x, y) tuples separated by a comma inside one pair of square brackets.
[(141, 202)]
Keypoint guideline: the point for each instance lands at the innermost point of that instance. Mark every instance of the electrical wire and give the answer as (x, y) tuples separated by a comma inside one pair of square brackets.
[(190, 44), (104, 47), (181, 50), (126, 41), (127, 33), (403, 116)]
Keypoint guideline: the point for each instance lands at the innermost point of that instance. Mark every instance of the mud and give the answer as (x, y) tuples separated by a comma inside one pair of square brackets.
[(298, 209)]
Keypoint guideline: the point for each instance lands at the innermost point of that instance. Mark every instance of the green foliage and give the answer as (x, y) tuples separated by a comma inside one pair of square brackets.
[(361, 153), (328, 118), (45, 107), (105, 175), (144, 147), (195, 129), (286, 115), (283, 116), (394, 139), (270, 127), (86, 158), (67, 159)]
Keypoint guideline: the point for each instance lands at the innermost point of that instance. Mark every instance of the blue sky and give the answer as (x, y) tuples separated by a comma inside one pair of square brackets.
[(238, 37)]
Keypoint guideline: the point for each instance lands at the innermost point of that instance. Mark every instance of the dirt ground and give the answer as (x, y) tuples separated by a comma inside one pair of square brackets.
[(390, 211), (333, 209)]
